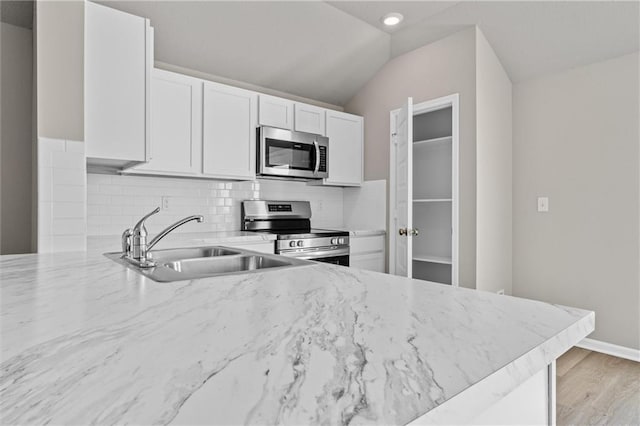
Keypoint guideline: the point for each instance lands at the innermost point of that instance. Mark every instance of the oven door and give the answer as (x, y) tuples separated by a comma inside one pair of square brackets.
[(292, 154), (336, 256)]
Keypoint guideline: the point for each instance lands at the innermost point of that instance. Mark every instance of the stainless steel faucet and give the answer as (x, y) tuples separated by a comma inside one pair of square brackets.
[(134, 241)]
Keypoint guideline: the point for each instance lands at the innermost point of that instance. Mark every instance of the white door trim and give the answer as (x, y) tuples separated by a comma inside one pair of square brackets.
[(452, 101)]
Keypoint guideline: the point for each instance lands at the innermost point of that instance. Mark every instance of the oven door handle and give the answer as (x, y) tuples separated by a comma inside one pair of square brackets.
[(315, 253), (315, 144)]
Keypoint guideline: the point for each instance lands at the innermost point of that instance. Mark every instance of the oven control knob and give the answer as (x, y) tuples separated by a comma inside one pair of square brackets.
[(292, 244), (300, 243), (334, 241), (341, 240)]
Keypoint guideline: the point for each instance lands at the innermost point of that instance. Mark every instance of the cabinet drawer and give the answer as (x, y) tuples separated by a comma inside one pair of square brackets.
[(370, 262), (362, 245)]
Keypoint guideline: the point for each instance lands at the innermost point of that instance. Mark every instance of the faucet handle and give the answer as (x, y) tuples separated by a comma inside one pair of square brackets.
[(126, 242), (140, 225)]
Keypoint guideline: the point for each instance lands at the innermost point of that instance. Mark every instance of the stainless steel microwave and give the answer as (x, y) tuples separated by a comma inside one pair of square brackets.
[(285, 153)]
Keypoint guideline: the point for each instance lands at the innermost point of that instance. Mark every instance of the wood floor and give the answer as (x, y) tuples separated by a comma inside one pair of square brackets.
[(597, 389)]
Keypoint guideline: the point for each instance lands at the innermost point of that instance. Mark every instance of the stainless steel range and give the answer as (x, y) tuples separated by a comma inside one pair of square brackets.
[(290, 221)]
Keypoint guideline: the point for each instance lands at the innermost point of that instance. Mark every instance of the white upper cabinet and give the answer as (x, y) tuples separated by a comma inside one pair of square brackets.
[(118, 53), (176, 124), (346, 139), (229, 132), (275, 112), (309, 118)]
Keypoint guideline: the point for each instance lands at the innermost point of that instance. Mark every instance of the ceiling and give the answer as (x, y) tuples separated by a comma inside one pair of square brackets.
[(328, 50)]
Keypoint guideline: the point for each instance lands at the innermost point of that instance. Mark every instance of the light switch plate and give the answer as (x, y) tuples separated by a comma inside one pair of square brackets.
[(543, 204)]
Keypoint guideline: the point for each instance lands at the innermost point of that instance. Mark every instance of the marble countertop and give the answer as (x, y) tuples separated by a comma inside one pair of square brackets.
[(364, 232), (86, 340)]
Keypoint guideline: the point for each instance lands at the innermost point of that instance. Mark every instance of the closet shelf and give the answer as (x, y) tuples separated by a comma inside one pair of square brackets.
[(433, 259), (432, 200), (433, 140)]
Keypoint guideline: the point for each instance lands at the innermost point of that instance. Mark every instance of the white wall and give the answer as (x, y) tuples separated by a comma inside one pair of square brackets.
[(16, 61), (493, 173), (432, 71), (576, 140)]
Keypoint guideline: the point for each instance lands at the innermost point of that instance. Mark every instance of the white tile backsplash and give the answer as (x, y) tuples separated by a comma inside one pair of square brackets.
[(61, 196), (365, 207), (115, 202)]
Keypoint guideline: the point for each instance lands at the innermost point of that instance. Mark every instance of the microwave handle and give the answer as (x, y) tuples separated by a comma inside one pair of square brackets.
[(315, 170)]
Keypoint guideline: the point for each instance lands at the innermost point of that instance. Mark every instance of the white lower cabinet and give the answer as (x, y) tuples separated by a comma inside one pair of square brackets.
[(370, 262), (176, 125), (228, 137), (367, 252)]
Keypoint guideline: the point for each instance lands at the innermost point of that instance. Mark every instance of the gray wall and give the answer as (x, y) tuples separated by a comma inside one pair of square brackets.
[(60, 69), (438, 69), (494, 176), (16, 47), (576, 140)]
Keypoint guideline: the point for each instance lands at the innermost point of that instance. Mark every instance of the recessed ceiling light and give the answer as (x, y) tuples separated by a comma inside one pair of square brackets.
[(392, 19)]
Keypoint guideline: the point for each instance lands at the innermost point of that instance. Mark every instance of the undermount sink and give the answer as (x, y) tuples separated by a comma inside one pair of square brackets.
[(205, 267), (190, 253), (202, 262)]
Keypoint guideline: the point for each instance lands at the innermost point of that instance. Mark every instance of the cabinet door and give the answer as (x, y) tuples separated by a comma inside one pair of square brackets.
[(229, 132), (276, 112), (345, 133), (117, 66), (402, 249), (176, 130), (309, 118), (370, 262)]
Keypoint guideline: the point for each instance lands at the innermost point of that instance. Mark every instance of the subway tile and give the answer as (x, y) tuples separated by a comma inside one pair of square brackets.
[(75, 146), (45, 244), (68, 160), (98, 199), (68, 193), (69, 226), (110, 189), (99, 220), (68, 176), (45, 184), (62, 210), (218, 201), (45, 218), (69, 243)]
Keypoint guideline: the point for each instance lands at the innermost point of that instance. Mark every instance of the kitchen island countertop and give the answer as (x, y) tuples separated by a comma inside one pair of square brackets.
[(86, 340)]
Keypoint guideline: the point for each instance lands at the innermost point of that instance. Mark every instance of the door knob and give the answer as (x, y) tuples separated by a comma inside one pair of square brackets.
[(402, 231), (414, 232)]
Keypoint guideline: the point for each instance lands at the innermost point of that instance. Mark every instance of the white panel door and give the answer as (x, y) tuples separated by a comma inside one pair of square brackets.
[(345, 133), (404, 190), (116, 73), (310, 119), (176, 124), (229, 132), (275, 112)]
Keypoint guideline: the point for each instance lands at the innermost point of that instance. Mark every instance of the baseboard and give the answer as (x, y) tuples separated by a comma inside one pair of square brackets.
[(610, 349)]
